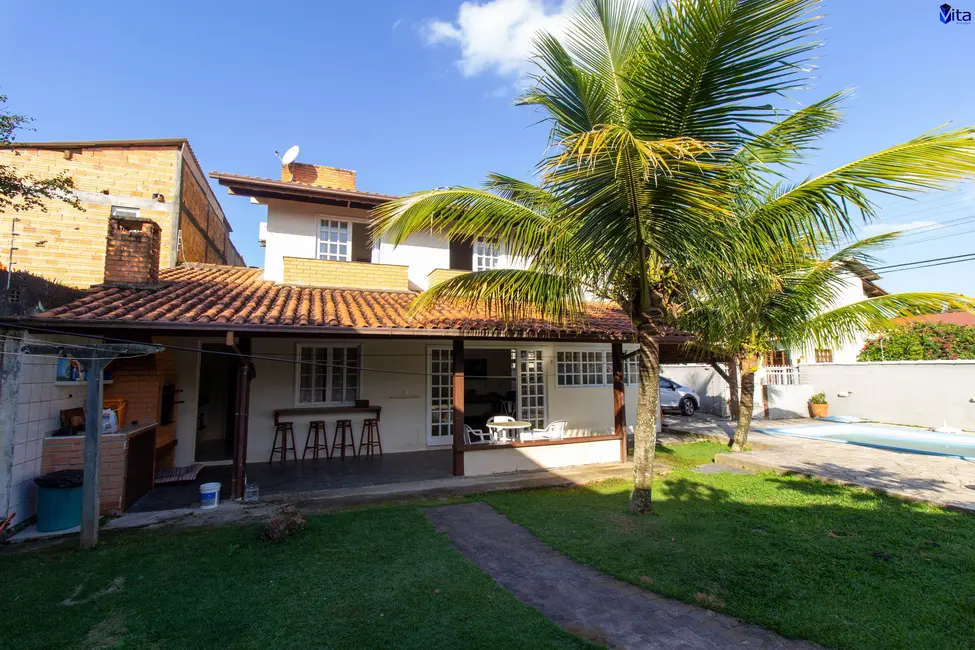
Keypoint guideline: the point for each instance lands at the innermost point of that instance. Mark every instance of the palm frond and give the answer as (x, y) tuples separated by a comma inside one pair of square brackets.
[(843, 324), (509, 293), (461, 213)]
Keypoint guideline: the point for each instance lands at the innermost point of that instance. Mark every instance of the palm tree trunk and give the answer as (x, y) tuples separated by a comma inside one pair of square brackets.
[(647, 412), (735, 393), (749, 367)]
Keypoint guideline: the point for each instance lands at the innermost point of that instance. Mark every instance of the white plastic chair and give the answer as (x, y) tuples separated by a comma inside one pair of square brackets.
[(475, 436), (554, 431)]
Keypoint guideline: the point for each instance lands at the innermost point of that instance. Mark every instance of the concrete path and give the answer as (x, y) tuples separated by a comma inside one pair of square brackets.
[(938, 480), (583, 600)]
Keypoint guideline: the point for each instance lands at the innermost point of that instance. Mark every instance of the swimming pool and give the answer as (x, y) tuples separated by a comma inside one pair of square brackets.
[(881, 436)]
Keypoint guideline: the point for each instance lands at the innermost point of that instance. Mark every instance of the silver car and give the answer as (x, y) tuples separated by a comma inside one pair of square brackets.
[(673, 396)]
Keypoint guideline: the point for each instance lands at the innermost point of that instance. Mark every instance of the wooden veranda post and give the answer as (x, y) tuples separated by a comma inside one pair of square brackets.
[(458, 392), (242, 399), (619, 399), (93, 359)]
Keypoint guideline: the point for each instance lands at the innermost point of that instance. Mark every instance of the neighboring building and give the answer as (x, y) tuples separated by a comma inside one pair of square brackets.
[(858, 285), (120, 184)]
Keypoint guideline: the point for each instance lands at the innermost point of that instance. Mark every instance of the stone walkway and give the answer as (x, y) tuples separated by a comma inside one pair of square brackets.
[(933, 479), (583, 600)]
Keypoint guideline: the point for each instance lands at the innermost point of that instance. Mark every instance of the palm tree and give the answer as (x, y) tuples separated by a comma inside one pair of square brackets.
[(650, 110), (789, 301)]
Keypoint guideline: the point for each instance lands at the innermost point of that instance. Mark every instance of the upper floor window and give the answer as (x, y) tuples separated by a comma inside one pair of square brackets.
[(487, 255), (824, 356), (778, 358), (334, 240)]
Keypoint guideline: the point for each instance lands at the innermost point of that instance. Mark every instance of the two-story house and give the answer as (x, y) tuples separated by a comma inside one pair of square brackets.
[(321, 341)]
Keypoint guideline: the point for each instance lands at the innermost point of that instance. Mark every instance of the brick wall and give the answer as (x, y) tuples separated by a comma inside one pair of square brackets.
[(140, 382), (205, 232), (68, 452), (319, 175), (132, 252), (67, 245), (439, 275), (345, 275)]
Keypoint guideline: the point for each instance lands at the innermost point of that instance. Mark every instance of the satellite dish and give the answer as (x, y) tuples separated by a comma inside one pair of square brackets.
[(290, 155)]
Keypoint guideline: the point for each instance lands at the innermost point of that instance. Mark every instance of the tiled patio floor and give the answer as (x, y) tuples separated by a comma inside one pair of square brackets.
[(307, 476)]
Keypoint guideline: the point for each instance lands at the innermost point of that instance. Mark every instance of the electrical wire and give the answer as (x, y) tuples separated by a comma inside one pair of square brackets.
[(934, 259)]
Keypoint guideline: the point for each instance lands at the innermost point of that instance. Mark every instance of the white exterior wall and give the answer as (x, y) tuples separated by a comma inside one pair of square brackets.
[(851, 293), (525, 459), (422, 253), (395, 377), (39, 403), (292, 231), (919, 393)]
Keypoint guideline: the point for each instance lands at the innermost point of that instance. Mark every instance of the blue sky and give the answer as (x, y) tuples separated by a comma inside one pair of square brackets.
[(418, 95)]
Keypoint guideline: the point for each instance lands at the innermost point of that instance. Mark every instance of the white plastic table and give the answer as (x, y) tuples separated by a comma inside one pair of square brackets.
[(500, 430)]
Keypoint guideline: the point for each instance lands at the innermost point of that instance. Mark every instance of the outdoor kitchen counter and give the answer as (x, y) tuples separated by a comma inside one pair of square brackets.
[(127, 462)]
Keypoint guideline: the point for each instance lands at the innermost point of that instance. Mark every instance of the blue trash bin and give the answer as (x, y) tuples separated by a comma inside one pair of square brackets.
[(59, 500)]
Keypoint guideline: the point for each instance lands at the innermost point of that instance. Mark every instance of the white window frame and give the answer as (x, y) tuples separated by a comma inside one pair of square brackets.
[(585, 360), (583, 368), (328, 226), (328, 369), (487, 255)]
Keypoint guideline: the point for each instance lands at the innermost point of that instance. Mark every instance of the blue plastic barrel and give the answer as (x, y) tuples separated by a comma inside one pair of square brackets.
[(59, 500)]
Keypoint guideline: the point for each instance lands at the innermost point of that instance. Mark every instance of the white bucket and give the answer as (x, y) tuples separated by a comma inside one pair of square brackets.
[(209, 496)]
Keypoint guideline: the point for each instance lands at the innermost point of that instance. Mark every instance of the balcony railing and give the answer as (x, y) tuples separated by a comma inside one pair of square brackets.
[(781, 376)]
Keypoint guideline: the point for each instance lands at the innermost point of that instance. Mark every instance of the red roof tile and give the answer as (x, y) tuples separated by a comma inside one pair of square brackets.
[(197, 295)]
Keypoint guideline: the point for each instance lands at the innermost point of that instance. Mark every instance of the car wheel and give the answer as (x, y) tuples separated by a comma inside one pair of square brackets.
[(687, 407)]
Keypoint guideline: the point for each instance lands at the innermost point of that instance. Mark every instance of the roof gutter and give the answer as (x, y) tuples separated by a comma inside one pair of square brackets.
[(313, 330)]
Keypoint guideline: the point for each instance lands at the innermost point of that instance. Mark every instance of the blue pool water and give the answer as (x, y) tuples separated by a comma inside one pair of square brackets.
[(916, 441)]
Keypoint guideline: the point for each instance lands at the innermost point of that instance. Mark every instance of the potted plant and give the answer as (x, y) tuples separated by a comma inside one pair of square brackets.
[(818, 406)]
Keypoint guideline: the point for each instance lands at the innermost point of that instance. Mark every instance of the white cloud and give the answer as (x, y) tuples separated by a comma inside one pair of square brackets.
[(496, 36), (910, 227), (399, 21)]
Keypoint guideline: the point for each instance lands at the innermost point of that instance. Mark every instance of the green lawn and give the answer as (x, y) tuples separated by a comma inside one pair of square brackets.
[(367, 578), (791, 554)]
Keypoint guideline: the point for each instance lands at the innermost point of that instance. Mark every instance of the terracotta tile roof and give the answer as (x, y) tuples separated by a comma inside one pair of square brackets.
[(950, 318), (195, 295)]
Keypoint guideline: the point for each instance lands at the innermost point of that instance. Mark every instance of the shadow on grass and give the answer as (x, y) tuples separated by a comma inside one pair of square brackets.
[(839, 566)]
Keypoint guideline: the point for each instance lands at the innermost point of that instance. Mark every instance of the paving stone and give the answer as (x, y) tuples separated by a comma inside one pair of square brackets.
[(583, 600)]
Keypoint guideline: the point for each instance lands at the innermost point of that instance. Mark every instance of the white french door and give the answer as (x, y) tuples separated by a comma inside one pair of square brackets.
[(532, 404), (440, 411)]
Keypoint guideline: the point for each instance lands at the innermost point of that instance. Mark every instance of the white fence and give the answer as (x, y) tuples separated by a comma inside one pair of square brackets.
[(919, 393), (781, 376)]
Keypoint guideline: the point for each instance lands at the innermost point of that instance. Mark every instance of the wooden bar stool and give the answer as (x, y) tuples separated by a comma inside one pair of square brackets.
[(283, 428), (370, 437), (343, 428), (316, 428)]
